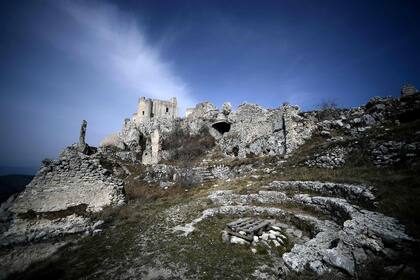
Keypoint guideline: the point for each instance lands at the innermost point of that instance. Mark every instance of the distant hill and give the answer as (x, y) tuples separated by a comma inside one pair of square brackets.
[(11, 184)]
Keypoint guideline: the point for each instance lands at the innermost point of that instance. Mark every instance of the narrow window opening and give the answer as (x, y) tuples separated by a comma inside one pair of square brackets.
[(167, 109), (142, 113)]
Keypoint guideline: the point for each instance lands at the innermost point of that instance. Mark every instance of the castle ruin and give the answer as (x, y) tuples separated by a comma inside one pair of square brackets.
[(153, 108)]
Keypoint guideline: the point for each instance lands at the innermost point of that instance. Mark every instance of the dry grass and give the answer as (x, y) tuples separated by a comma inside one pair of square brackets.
[(185, 148), (140, 190), (203, 253)]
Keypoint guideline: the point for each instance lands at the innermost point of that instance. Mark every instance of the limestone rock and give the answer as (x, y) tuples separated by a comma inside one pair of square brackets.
[(26, 230), (60, 194), (250, 130), (238, 240), (226, 108)]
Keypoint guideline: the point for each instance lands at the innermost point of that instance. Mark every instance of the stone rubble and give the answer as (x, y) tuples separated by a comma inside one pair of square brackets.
[(166, 175), (393, 152), (331, 158), (356, 193), (272, 236), (345, 242)]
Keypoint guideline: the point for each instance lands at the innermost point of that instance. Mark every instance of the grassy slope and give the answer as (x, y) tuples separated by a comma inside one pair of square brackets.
[(134, 239)]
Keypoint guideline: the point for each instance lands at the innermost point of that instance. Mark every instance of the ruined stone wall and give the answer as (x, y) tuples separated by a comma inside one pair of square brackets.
[(144, 111), (75, 179), (148, 109), (59, 197), (297, 128), (151, 154), (167, 109), (251, 130)]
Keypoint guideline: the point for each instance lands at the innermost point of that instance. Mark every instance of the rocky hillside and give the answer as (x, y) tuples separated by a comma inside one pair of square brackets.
[(334, 190)]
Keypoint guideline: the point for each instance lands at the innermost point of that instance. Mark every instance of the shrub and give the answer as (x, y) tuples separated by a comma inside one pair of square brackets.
[(327, 110), (184, 147), (328, 104)]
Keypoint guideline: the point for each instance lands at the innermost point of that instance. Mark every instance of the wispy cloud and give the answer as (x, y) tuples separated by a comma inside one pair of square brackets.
[(113, 42)]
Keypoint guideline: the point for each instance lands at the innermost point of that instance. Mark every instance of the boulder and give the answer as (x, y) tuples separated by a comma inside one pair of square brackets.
[(226, 108), (238, 240)]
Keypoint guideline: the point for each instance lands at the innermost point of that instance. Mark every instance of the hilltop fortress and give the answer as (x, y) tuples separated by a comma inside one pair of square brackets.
[(153, 108), (251, 130), (240, 156)]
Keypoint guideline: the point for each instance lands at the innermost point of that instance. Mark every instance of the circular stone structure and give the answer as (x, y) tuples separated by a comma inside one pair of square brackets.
[(340, 236)]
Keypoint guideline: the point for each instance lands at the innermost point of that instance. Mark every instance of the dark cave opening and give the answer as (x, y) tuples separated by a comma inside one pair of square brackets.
[(222, 127)]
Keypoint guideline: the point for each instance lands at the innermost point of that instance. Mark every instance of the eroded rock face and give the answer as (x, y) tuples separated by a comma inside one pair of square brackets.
[(256, 131), (27, 230), (250, 130), (75, 179), (226, 108), (59, 196)]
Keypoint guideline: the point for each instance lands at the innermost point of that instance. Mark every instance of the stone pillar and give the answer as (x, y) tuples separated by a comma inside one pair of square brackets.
[(152, 149), (155, 137), (82, 141)]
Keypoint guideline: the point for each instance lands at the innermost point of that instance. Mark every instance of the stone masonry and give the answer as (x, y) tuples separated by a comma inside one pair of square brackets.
[(250, 130)]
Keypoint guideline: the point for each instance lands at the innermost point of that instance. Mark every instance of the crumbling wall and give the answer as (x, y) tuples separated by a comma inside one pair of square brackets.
[(296, 128), (72, 180), (59, 197), (251, 130), (257, 131), (151, 154), (154, 109)]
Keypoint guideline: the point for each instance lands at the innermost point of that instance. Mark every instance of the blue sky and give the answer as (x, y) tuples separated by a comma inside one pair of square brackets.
[(64, 61)]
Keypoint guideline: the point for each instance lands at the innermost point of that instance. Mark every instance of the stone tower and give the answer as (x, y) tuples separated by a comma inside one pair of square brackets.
[(154, 108), (144, 109)]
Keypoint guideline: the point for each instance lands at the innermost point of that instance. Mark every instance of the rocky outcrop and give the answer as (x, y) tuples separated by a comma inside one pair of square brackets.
[(73, 180), (360, 232), (356, 193), (60, 196), (249, 131), (393, 152), (331, 158)]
